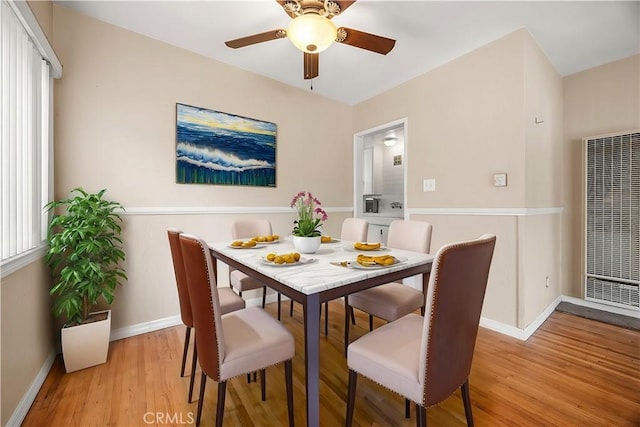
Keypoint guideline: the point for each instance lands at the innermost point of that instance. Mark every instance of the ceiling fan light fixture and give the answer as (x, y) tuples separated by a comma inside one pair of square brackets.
[(311, 33)]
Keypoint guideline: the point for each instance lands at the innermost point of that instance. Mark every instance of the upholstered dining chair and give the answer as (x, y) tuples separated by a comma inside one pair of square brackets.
[(235, 343), (229, 301), (353, 230), (391, 301), (243, 229), (426, 358)]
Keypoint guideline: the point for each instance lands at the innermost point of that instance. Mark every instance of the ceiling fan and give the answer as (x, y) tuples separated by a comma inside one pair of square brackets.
[(312, 31)]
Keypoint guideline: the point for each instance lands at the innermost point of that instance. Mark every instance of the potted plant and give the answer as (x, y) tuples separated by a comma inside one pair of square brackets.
[(85, 251), (306, 231)]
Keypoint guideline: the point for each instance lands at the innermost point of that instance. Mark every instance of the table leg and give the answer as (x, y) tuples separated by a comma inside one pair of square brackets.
[(311, 310)]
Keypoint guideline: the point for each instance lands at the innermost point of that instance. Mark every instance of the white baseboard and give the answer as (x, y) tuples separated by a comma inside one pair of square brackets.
[(27, 400), (521, 334), (604, 307), (143, 328)]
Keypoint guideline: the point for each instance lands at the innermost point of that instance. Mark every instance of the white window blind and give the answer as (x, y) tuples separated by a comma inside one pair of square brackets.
[(613, 219), (25, 95)]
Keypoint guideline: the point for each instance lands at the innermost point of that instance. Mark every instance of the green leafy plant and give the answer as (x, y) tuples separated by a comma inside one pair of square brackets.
[(310, 215), (84, 253)]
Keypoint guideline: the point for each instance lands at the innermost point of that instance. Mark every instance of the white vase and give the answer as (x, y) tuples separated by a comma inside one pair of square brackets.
[(86, 345), (306, 245)]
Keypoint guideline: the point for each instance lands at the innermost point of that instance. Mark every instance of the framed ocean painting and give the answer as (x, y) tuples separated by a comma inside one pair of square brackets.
[(224, 149)]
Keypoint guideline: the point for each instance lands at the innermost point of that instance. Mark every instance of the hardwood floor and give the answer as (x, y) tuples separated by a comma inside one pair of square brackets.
[(571, 372)]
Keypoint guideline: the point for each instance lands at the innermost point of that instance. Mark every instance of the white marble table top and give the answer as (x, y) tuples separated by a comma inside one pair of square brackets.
[(316, 273)]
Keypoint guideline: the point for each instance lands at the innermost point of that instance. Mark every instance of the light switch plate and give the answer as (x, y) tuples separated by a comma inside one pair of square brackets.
[(429, 185), (500, 180)]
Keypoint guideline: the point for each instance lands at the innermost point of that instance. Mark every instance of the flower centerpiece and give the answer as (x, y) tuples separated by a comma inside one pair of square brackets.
[(306, 230)]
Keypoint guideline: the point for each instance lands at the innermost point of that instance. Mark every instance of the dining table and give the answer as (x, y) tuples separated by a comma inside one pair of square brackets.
[(329, 273)]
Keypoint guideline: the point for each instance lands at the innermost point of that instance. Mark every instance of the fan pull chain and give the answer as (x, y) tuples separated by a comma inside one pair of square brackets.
[(311, 81)]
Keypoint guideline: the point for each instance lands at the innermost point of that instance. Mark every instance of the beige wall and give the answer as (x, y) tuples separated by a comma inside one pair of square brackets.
[(43, 11), (465, 124), (115, 129), (27, 338), (469, 119), (598, 101)]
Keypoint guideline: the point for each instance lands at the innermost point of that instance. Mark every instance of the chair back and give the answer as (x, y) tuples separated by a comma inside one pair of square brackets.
[(205, 304), (181, 276), (454, 301), (410, 235), (251, 228), (354, 230)]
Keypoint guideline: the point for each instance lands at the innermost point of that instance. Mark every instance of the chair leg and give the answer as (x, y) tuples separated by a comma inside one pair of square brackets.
[(407, 408), (370, 323), (464, 389), (351, 397), (353, 316), (263, 384), (279, 302), (264, 296), (203, 383), (194, 359), (249, 378), (288, 376), (222, 391), (187, 338), (326, 318), (291, 309), (421, 416), (347, 309)]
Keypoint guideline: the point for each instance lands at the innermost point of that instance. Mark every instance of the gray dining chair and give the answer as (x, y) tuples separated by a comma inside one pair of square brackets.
[(229, 301), (427, 358)]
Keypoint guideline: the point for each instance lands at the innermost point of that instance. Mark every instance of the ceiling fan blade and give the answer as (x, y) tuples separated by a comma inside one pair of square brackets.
[(311, 65), (372, 42), (344, 4), (256, 38)]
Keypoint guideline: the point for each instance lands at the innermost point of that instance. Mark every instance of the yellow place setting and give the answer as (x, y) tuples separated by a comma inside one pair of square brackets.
[(274, 238), (249, 244)]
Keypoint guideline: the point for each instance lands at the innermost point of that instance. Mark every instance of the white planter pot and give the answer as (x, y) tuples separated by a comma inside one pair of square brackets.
[(306, 245), (86, 345)]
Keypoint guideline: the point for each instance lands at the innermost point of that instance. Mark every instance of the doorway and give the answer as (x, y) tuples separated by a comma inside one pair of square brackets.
[(380, 172)]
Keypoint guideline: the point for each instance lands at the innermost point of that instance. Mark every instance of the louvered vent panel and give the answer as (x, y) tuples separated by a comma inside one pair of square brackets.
[(613, 219)]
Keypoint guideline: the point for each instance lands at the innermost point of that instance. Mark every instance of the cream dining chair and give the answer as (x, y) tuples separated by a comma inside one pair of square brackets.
[(426, 358), (244, 229), (232, 344), (229, 301), (392, 300), (353, 230)]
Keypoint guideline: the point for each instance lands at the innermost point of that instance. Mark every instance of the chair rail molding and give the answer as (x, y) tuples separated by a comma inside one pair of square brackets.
[(218, 210), (486, 211)]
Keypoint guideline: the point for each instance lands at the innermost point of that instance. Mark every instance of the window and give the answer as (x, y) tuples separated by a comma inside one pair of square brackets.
[(25, 133)]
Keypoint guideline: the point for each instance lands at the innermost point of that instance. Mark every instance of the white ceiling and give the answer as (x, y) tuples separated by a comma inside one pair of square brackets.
[(575, 35)]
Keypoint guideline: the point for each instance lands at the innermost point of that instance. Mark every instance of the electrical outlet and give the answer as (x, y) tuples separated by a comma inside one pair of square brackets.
[(429, 185)]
